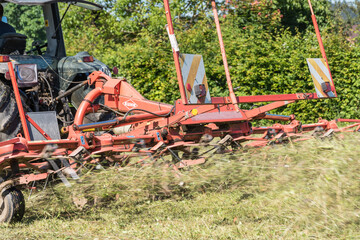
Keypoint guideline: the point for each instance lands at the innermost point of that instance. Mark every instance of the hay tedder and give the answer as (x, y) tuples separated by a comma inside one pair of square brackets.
[(144, 131)]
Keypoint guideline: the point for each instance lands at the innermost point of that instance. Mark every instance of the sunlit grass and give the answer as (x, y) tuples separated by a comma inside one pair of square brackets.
[(298, 191)]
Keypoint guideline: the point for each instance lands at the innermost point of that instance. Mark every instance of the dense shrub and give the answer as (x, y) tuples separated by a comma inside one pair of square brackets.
[(267, 43)]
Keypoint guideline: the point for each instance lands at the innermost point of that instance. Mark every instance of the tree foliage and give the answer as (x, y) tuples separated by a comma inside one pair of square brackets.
[(27, 20), (267, 43), (297, 13)]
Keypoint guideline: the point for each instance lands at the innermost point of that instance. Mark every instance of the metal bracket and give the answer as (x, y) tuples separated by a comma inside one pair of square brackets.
[(68, 169), (328, 133), (59, 173), (77, 152), (226, 140)]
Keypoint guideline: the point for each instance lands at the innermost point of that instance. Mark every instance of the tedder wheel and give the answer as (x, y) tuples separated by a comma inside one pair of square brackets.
[(12, 208)]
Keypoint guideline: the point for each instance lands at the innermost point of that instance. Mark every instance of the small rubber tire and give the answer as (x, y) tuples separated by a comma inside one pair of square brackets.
[(13, 207)]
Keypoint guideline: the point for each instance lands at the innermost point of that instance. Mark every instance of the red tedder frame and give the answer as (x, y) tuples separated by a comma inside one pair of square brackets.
[(153, 122), (152, 130)]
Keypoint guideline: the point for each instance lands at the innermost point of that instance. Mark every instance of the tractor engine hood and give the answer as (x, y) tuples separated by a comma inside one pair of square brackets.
[(43, 63), (80, 3)]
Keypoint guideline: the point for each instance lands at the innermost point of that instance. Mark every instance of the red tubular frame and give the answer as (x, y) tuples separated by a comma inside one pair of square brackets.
[(321, 45), (175, 54), (18, 101), (42, 132), (348, 120), (167, 127), (90, 97), (223, 53)]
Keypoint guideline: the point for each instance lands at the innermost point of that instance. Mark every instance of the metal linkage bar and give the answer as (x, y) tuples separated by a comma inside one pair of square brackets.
[(176, 51), (18, 101), (59, 173), (42, 132), (223, 53), (321, 45)]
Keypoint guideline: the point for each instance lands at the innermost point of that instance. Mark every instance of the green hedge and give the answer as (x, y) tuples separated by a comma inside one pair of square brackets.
[(263, 59)]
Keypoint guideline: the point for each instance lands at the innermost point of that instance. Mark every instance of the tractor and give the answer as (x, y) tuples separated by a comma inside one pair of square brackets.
[(44, 73)]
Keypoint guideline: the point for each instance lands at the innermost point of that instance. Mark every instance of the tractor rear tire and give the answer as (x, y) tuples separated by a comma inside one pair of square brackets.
[(9, 114), (13, 206)]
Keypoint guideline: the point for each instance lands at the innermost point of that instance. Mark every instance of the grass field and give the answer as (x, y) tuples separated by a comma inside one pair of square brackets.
[(308, 190)]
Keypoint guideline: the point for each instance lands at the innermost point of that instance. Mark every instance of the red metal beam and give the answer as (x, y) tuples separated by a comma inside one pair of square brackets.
[(18, 101), (42, 132), (223, 53), (348, 120), (175, 50), (266, 98), (263, 109), (25, 179), (11, 141), (321, 45)]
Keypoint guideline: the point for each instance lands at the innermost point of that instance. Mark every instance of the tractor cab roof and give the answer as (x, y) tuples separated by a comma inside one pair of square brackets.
[(80, 3)]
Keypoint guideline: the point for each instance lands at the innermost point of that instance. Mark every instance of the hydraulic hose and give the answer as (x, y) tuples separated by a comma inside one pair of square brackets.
[(120, 120)]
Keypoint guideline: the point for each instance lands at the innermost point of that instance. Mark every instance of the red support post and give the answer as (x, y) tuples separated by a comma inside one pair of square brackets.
[(18, 101), (41, 131), (321, 45), (175, 50), (223, 53)]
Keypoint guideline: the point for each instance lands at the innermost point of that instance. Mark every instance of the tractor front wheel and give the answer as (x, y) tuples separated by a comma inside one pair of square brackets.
[(12, 206), (9, 114)]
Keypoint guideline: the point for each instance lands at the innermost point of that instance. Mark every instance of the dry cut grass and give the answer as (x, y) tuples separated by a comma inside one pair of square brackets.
[(308, 190)]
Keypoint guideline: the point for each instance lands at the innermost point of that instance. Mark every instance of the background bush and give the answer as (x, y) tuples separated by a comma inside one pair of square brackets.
[(267, 43)]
